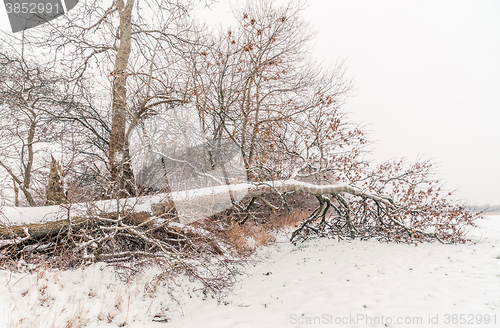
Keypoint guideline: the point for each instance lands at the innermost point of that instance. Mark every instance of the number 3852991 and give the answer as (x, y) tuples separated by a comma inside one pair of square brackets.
[(33, 8)]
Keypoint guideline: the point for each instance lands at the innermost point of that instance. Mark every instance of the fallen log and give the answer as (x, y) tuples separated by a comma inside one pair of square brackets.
[(42, 230), (381, 215)]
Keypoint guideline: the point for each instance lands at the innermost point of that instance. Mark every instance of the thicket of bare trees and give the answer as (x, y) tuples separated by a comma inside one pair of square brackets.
[(32, 98), (111, 70)]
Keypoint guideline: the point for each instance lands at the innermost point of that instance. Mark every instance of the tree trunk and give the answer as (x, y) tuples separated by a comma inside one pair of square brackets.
[(16, 193), (23, 188), (389, 220), (55, 187), (119, 157)]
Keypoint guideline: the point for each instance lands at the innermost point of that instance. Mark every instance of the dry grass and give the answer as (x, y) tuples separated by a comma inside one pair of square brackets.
[(248, 237), (287, 220)]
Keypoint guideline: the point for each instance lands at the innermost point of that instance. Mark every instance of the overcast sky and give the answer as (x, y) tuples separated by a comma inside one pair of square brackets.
[(427, 76)]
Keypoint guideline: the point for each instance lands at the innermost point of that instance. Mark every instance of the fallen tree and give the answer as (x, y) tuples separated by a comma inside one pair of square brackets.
[(149, 230), (347, 211), (342, 210)]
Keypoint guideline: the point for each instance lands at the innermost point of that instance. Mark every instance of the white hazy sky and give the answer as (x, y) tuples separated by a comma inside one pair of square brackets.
[(427, 77)]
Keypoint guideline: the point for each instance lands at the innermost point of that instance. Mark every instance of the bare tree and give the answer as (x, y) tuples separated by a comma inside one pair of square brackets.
[(125, 50), (30, 94), (119, 159), (254, 83)]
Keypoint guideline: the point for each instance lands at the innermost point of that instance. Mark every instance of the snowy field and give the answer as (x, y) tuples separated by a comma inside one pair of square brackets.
[(320, 283)]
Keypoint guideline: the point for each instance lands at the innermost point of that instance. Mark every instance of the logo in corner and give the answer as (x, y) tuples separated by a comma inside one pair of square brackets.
[(26, 14)]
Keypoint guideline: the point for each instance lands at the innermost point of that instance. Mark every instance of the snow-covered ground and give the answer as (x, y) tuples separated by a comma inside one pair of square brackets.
[(320, 283)]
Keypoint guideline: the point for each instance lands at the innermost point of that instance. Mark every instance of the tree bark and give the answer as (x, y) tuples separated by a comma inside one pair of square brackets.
[(119, 156), (55, 187)]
